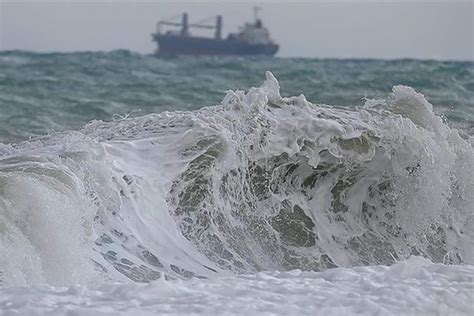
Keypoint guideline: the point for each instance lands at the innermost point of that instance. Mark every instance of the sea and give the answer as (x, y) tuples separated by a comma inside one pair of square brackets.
[(136, 185)]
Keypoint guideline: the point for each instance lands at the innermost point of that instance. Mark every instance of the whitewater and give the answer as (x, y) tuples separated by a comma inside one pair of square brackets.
[(262, 204)]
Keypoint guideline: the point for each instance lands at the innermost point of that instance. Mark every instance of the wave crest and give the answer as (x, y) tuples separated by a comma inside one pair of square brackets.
[(260, 182)]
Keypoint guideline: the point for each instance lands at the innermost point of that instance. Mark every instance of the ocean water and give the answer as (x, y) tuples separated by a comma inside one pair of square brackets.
[(131, 184)]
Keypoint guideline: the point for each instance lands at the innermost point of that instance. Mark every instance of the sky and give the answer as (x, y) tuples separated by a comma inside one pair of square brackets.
[(341, 29)]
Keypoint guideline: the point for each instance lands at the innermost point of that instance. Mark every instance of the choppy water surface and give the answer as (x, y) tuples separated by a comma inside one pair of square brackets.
[(371, 166), (40, 93)]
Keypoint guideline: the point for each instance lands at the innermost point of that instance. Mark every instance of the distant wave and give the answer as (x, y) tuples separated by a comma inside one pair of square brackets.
[(45, 92), (259, 182)]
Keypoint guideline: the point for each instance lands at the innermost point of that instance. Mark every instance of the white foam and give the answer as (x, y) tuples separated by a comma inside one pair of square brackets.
[(204, 193), (414, 287)]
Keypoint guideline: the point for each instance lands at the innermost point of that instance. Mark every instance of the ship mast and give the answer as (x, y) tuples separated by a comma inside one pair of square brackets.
[(185, 25), (218, 34), (255, 12)]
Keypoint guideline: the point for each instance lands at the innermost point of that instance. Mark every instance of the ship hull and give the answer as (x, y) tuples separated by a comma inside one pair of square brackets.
[(172, 45)]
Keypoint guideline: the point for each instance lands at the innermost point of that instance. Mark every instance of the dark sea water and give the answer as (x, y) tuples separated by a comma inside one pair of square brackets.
[(272, 180), (41, 93)]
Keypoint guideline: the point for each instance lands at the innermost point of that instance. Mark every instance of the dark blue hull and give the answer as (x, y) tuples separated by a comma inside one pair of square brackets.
[(170, 45)]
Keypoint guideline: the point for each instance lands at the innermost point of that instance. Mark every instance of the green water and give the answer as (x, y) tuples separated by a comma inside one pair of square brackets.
[(43, 93)]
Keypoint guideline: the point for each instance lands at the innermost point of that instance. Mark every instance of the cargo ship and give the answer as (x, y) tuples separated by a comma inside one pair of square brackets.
[(252, 39)]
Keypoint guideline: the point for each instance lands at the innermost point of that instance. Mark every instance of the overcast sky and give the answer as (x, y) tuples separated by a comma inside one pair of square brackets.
[(442, 30)]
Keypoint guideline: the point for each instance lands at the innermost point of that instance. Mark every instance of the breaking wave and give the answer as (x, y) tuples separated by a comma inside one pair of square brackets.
[(259, 182)]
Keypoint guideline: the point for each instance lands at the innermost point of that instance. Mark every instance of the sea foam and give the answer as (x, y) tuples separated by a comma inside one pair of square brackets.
[(258, 183)]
